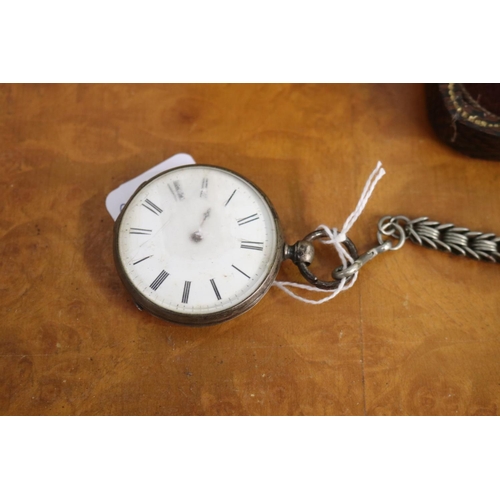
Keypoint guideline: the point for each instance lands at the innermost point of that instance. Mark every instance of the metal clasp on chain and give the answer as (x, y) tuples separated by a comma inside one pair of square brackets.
[(350, 270), (387, 226), (392, 234)]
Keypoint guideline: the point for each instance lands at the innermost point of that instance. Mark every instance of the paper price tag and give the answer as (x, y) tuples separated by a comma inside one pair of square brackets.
[(117, 199)]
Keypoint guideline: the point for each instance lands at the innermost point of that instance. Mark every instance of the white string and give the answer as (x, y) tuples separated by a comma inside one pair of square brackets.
[(335, 238)]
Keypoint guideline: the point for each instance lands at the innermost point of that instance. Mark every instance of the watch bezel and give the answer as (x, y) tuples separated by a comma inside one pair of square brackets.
[(208, 318)]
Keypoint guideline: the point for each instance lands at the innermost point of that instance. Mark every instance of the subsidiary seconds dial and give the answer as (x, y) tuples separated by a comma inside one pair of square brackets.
[(198, 245)]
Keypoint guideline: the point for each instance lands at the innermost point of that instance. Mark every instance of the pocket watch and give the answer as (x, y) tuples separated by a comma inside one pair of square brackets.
[(198, 245)]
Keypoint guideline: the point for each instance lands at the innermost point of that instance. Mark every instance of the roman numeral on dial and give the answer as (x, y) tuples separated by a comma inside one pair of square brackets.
[(204, 187), (216, 290), (142, 260), (238, 269), (248, 219), (159, 280), (152, 207), (138, 230), (176, 191), (230, 198), (252, 245), (185, 294)]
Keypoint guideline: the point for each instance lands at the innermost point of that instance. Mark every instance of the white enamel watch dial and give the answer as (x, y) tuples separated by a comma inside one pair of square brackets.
[(198, 245)]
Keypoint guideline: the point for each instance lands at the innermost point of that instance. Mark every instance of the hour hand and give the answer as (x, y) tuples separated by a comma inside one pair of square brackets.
[(198, 235)]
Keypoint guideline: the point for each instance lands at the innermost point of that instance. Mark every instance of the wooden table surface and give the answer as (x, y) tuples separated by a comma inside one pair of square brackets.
[(418, 334)]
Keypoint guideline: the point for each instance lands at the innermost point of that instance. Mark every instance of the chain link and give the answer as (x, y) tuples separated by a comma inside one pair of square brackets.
[(446, 237)]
